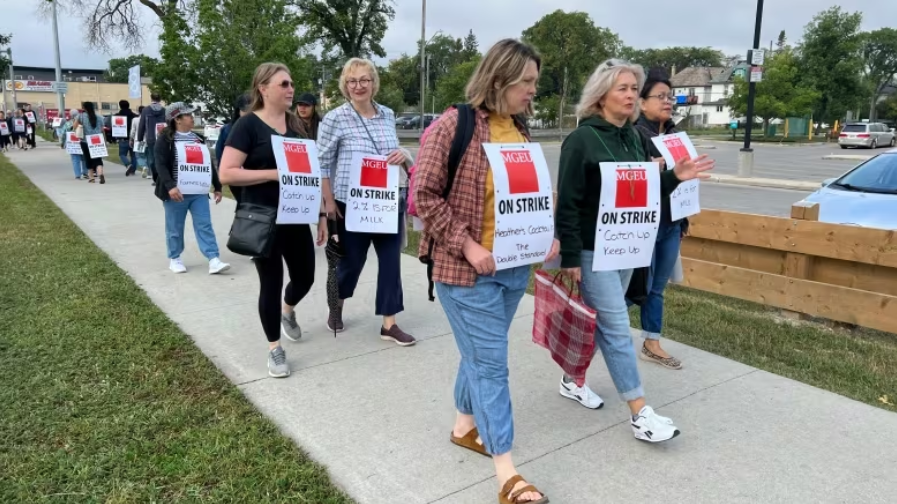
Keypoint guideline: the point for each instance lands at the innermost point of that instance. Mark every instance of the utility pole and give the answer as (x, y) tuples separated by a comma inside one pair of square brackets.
[(429, 57), (60, 101), (12, 80), (746, 156), (423, 50)]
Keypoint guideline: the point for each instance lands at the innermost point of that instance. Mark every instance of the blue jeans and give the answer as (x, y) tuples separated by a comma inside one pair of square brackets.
[(666, 250), (176, 219), (605, 291), (151, 159), (124, 149), (480, 317), (78, 165)]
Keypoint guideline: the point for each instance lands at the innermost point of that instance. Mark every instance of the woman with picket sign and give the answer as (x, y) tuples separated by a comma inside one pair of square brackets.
[(365, 188), (89, 127), (72, 144), (656, 104), (609, 192), (5, 132), (478, 290), (268, 154), (185, 177), (18, 129)]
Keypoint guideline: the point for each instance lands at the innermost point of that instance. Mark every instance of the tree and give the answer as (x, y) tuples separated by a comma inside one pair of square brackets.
[(879, 50), (176, 77), (831, 62), (887, 109), (354, 27), (451, 87), (390, 93), (777, 96), (471, 47), (674, 58), (571, 45), (118, 67), (405, 72), (5, 40), (780, 43)]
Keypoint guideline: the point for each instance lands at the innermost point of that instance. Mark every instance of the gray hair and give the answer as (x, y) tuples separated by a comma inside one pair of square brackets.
[(600, 83)]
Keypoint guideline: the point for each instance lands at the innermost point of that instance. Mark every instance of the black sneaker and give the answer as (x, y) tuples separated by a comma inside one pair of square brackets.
[(397, 336), (335, 320)]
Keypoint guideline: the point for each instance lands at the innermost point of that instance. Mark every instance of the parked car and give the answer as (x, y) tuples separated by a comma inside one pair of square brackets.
[(869, 135), (864, 196), (414, 123), (402, 120)]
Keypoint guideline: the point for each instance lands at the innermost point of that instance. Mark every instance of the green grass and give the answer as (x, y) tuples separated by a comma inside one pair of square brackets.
[(104, 398), (855, 363)]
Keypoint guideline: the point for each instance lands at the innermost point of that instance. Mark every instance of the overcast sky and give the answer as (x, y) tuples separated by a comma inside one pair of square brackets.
[(727, 26)]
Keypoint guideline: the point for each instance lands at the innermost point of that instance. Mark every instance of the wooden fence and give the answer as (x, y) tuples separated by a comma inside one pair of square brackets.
[(807, 268)]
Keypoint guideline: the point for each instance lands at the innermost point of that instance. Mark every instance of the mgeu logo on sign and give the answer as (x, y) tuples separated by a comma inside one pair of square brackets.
[(677, 149), (193, 153), (119, 121), (297, 158), (96, 140), (632, 188), (373, 173), (522, 177)]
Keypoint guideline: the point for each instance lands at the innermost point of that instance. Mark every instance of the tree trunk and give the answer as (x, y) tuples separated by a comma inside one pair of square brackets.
[(562, 101), (872, 107), (765, 128)]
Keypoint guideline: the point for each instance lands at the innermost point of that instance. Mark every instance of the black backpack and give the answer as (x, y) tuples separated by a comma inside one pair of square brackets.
[(463, 134)]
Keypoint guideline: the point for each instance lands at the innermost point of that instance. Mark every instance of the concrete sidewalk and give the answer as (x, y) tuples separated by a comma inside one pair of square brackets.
[(379, 416)]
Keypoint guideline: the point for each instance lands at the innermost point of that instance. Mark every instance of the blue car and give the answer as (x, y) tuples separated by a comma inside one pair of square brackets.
[(865, 196)]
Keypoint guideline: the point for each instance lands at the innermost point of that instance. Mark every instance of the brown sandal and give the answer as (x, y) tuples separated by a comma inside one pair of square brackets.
[(507, 497), (469, 441)]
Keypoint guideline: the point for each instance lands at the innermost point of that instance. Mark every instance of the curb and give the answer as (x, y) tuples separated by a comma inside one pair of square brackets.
[(794, 185), (765, 144), (847, 157)]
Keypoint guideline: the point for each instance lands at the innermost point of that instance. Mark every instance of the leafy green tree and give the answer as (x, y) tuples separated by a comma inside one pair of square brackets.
[(176, 77), (571, 46), (670, 58), (471, 47), (4, 59), (781, 41), (353, 27), (887, 109), (879, 50), (118, 67), (405, 72), (390, 93), (451, 87), (777, 95), (831, 62)]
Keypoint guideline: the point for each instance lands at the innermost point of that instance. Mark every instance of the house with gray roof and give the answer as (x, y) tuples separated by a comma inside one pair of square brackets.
[(705, 90)]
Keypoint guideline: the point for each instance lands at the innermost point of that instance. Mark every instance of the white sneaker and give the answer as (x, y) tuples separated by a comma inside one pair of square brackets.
[(177, 266), (653, 428), (216, 266), (583, 395)]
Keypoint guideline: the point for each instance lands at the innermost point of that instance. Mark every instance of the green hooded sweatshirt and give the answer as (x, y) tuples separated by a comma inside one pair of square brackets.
[(579, 180)]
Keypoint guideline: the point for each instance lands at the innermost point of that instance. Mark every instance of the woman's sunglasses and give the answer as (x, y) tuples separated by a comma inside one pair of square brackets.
[(286, 84)]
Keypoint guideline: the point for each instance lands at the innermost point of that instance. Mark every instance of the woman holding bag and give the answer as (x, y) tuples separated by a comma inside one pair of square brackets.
[(249, 147)]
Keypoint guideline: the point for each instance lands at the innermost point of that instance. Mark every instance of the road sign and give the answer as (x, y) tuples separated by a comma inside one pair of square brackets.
[(757, 57), (62, 87), (756, 74)]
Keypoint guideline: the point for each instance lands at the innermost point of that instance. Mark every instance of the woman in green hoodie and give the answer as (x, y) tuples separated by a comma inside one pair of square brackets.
[(607, 110)]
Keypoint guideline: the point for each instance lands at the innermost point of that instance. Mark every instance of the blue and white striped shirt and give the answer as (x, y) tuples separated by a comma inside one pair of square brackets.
[(342, 133)]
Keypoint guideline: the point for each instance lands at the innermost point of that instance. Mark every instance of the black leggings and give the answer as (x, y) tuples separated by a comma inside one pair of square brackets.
[(293, 243)]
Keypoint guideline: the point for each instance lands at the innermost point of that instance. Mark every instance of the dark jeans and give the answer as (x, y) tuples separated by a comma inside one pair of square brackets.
[(666, 250), (126, 155), (390, 300), (294, 245)]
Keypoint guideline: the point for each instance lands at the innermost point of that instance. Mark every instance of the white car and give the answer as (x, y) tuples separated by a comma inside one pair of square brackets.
[(868, 135)]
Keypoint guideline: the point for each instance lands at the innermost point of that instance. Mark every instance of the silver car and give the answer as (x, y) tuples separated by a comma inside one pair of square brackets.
[(868, 135), (865, 196)]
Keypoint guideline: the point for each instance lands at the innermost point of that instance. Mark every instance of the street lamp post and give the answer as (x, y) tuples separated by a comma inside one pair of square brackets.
[(60, 103), (423, 50), (746, 156), (12, 80)]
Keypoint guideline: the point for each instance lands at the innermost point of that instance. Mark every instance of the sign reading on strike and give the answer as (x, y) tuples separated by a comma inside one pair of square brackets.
[(300, 180), (628, 217), (4, 129), (96, 145), (30, 116), (194, 167), (73, 143), (686, 199), (524, 211), (373, 202), (119, 127), (18, 125)]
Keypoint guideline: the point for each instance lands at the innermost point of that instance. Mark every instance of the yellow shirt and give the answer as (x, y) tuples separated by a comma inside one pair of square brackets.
[(501, 130)]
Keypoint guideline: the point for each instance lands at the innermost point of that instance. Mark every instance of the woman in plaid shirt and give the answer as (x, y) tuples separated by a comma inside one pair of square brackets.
[(363, 125), (479, 301)]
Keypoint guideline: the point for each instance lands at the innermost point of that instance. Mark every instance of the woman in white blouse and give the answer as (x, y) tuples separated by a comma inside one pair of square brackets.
[(363, 126)]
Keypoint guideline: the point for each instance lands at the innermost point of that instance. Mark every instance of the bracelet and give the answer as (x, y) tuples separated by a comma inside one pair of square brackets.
[(322, 214)]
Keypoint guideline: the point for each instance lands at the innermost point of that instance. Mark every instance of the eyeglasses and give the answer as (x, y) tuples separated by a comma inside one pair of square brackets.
[(664, 97), (353, 83)]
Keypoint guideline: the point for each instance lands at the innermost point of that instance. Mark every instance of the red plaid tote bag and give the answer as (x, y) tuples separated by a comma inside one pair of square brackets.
[(564, 325)]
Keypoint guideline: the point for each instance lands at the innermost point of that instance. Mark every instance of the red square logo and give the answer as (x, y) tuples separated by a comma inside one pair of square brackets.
[(73, 138), (373, 173), (119, 120), (522, 176), (677, 149), (159, 127), (297, 157), (193, 153), (632, 188), (96, 140)]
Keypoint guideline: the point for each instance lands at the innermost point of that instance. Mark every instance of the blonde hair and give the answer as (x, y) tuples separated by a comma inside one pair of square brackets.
[(349, 67), (502, 67), (262, 77), (602, 81)]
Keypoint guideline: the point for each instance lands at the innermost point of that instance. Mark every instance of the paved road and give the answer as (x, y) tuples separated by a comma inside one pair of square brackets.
[(790, 163)]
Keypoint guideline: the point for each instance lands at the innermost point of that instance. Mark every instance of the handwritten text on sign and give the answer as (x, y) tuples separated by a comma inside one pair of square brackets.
[(686, 200), (524, 215), (96, 146), (73, 143), (300, 180), (194, 168), (119, 127), (628, 216), (373, 202)]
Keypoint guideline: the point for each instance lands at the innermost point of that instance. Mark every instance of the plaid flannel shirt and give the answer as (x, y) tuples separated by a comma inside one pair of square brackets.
[(450, 222), (342, 133)]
